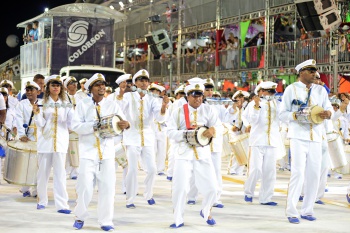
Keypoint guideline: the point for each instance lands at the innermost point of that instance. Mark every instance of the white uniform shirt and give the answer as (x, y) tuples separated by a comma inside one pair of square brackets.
[(298, 91), (12, 101), (140, 131), (53, 137), (177, 126), (2, 102), (84, 118), (81, 95)]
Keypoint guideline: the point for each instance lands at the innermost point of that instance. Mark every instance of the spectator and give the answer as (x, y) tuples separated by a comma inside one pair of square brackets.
[(34, 33), (26, 37), (304, 44), (167, 13)]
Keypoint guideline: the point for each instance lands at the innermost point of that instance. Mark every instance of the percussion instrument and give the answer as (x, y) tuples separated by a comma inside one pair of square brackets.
[(21, 163), (309, 115), (240, 148), (195, 137), (226, 148), (336, 150), (107, 127), (120, 155), (346, 169), (73, 149), (219, 100)]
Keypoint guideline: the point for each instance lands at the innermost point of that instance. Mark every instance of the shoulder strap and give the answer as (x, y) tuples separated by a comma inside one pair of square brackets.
[(187, 116)]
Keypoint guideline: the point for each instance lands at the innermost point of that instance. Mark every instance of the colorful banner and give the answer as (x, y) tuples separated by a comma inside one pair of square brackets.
[(244, 29)]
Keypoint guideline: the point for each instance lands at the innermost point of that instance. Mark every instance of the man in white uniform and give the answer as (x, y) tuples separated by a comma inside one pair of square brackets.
[(13, 101), (140, 110), (193, 160), (305, 139), (96, 154), (82, 93)]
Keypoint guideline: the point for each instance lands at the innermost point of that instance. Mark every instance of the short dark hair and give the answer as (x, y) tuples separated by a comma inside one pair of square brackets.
[(38, 76)]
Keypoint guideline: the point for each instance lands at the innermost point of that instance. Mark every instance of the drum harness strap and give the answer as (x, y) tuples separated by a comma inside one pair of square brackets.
[(30, 120), (98, 143), (302, 105), (188, 126)]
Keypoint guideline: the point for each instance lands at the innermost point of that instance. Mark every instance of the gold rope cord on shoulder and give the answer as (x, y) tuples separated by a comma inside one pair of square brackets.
[(98, 143), (141, 123), (195, 123), (55, 116)]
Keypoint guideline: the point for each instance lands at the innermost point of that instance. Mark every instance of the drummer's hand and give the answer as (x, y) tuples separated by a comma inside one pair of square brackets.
[(325, 114), (123, 124), (234, 128), (166, 100), (247, 130), (209, 133), (24, 139), (36, 109)]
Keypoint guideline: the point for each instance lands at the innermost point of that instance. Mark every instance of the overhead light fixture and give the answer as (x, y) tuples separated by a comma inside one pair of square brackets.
[(121, 4), (130, 1), (46, 9)]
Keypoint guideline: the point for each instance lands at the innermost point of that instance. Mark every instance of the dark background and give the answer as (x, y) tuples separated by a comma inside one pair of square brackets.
[(15, 12)]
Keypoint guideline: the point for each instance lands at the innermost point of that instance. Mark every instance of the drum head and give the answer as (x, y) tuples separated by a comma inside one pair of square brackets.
[(240, 137), (115, 120), (201, 139), (19, 145), (315, 118)]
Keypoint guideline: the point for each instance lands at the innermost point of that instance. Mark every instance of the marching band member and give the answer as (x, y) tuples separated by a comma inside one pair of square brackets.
[(305, 139), (71, 86), (53, 121), (2, 121), (121, 82), (13, 101), (140, 110), (265, 144), (82, 93), (193, 160), (96, 154), (40, 80), (108, 91), (25, 125)]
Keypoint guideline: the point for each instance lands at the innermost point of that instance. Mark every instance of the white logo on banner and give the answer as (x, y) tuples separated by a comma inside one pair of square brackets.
[(77, 33)]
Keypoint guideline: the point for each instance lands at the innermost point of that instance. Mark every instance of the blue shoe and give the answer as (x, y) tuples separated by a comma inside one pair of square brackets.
[(308, 217), (218, 205), (328, 175), (107, 228), (78, 224), (40, 207), (301, 198), (170, 178), (271, 203), (191, 202), (293, 220), (161, 174), (174, 225), (348, 197), (320, 202), (151, 201), (248, 199), (326, 190), (64, 211), (131, 206), (26, 194), (74, 177), (210, 222)]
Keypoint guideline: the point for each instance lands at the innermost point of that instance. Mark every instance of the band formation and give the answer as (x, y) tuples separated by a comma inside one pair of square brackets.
[(85, 134)]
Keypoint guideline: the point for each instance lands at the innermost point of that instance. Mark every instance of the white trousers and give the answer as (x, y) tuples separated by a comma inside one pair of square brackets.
[(262, 164), (148, 161), (46, 161), (104, 174), (205, 181), (171, 160), (71, 171), (160, 147), (216, 159), (305, 167)]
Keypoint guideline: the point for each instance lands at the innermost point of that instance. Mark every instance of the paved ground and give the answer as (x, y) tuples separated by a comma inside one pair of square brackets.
[(18, 214)]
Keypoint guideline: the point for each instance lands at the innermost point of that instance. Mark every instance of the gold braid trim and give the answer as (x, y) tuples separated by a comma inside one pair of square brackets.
[(55, 130), (98, 143), (141, 123), (195, 152), (268, 122), (195, 123)]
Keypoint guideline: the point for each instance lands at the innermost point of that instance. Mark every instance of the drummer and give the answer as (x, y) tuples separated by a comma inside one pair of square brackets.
[(305, 140), (26, 129)]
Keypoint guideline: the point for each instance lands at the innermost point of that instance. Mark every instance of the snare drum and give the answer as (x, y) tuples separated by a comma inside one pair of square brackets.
[(109, 127), (336, 150), (120, 155), (226, 148), (195, 137), (240, 148), (309, 115), (21, 163), (73, 149)]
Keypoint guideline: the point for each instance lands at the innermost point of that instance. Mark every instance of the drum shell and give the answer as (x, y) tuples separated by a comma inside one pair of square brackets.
[(107, 130), (120, 155), (336, 151), (73, 152), (346, 169), (240, 148), (193, 138), (21, 163)]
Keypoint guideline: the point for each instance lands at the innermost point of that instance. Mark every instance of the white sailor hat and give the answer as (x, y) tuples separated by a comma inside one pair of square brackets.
[(335, 101), (69, 80), (257, 89), (32, 84), (208, 83), (53, 78), (268, 85), (216, 93), (123, 78), (195, 80), (194, 89), (156, 86), (311, 63), (109, 89), (240, 92), (83, 80), (180, 89), (140, 74), (4, 90), (95, 78), (5, 82)]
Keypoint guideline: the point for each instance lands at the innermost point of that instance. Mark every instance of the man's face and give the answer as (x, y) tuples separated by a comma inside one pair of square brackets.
[(82, 86), (142, 83), (98, 89), (72, 87), (335, 108), (123, 84), (8, 86), (179, 95), (208, 92), (240, 100), (195, 100), (154, 91), (41, 83), (266, 93), (308, 76), (31, 93)]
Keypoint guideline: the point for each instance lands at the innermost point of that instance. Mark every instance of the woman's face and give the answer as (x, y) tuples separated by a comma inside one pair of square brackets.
[(55, 88)]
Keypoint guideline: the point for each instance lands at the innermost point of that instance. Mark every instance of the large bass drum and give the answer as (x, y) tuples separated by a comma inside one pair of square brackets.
[(240, 148), (73, 149), (336, 150), (21, 163), (346, 169)]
